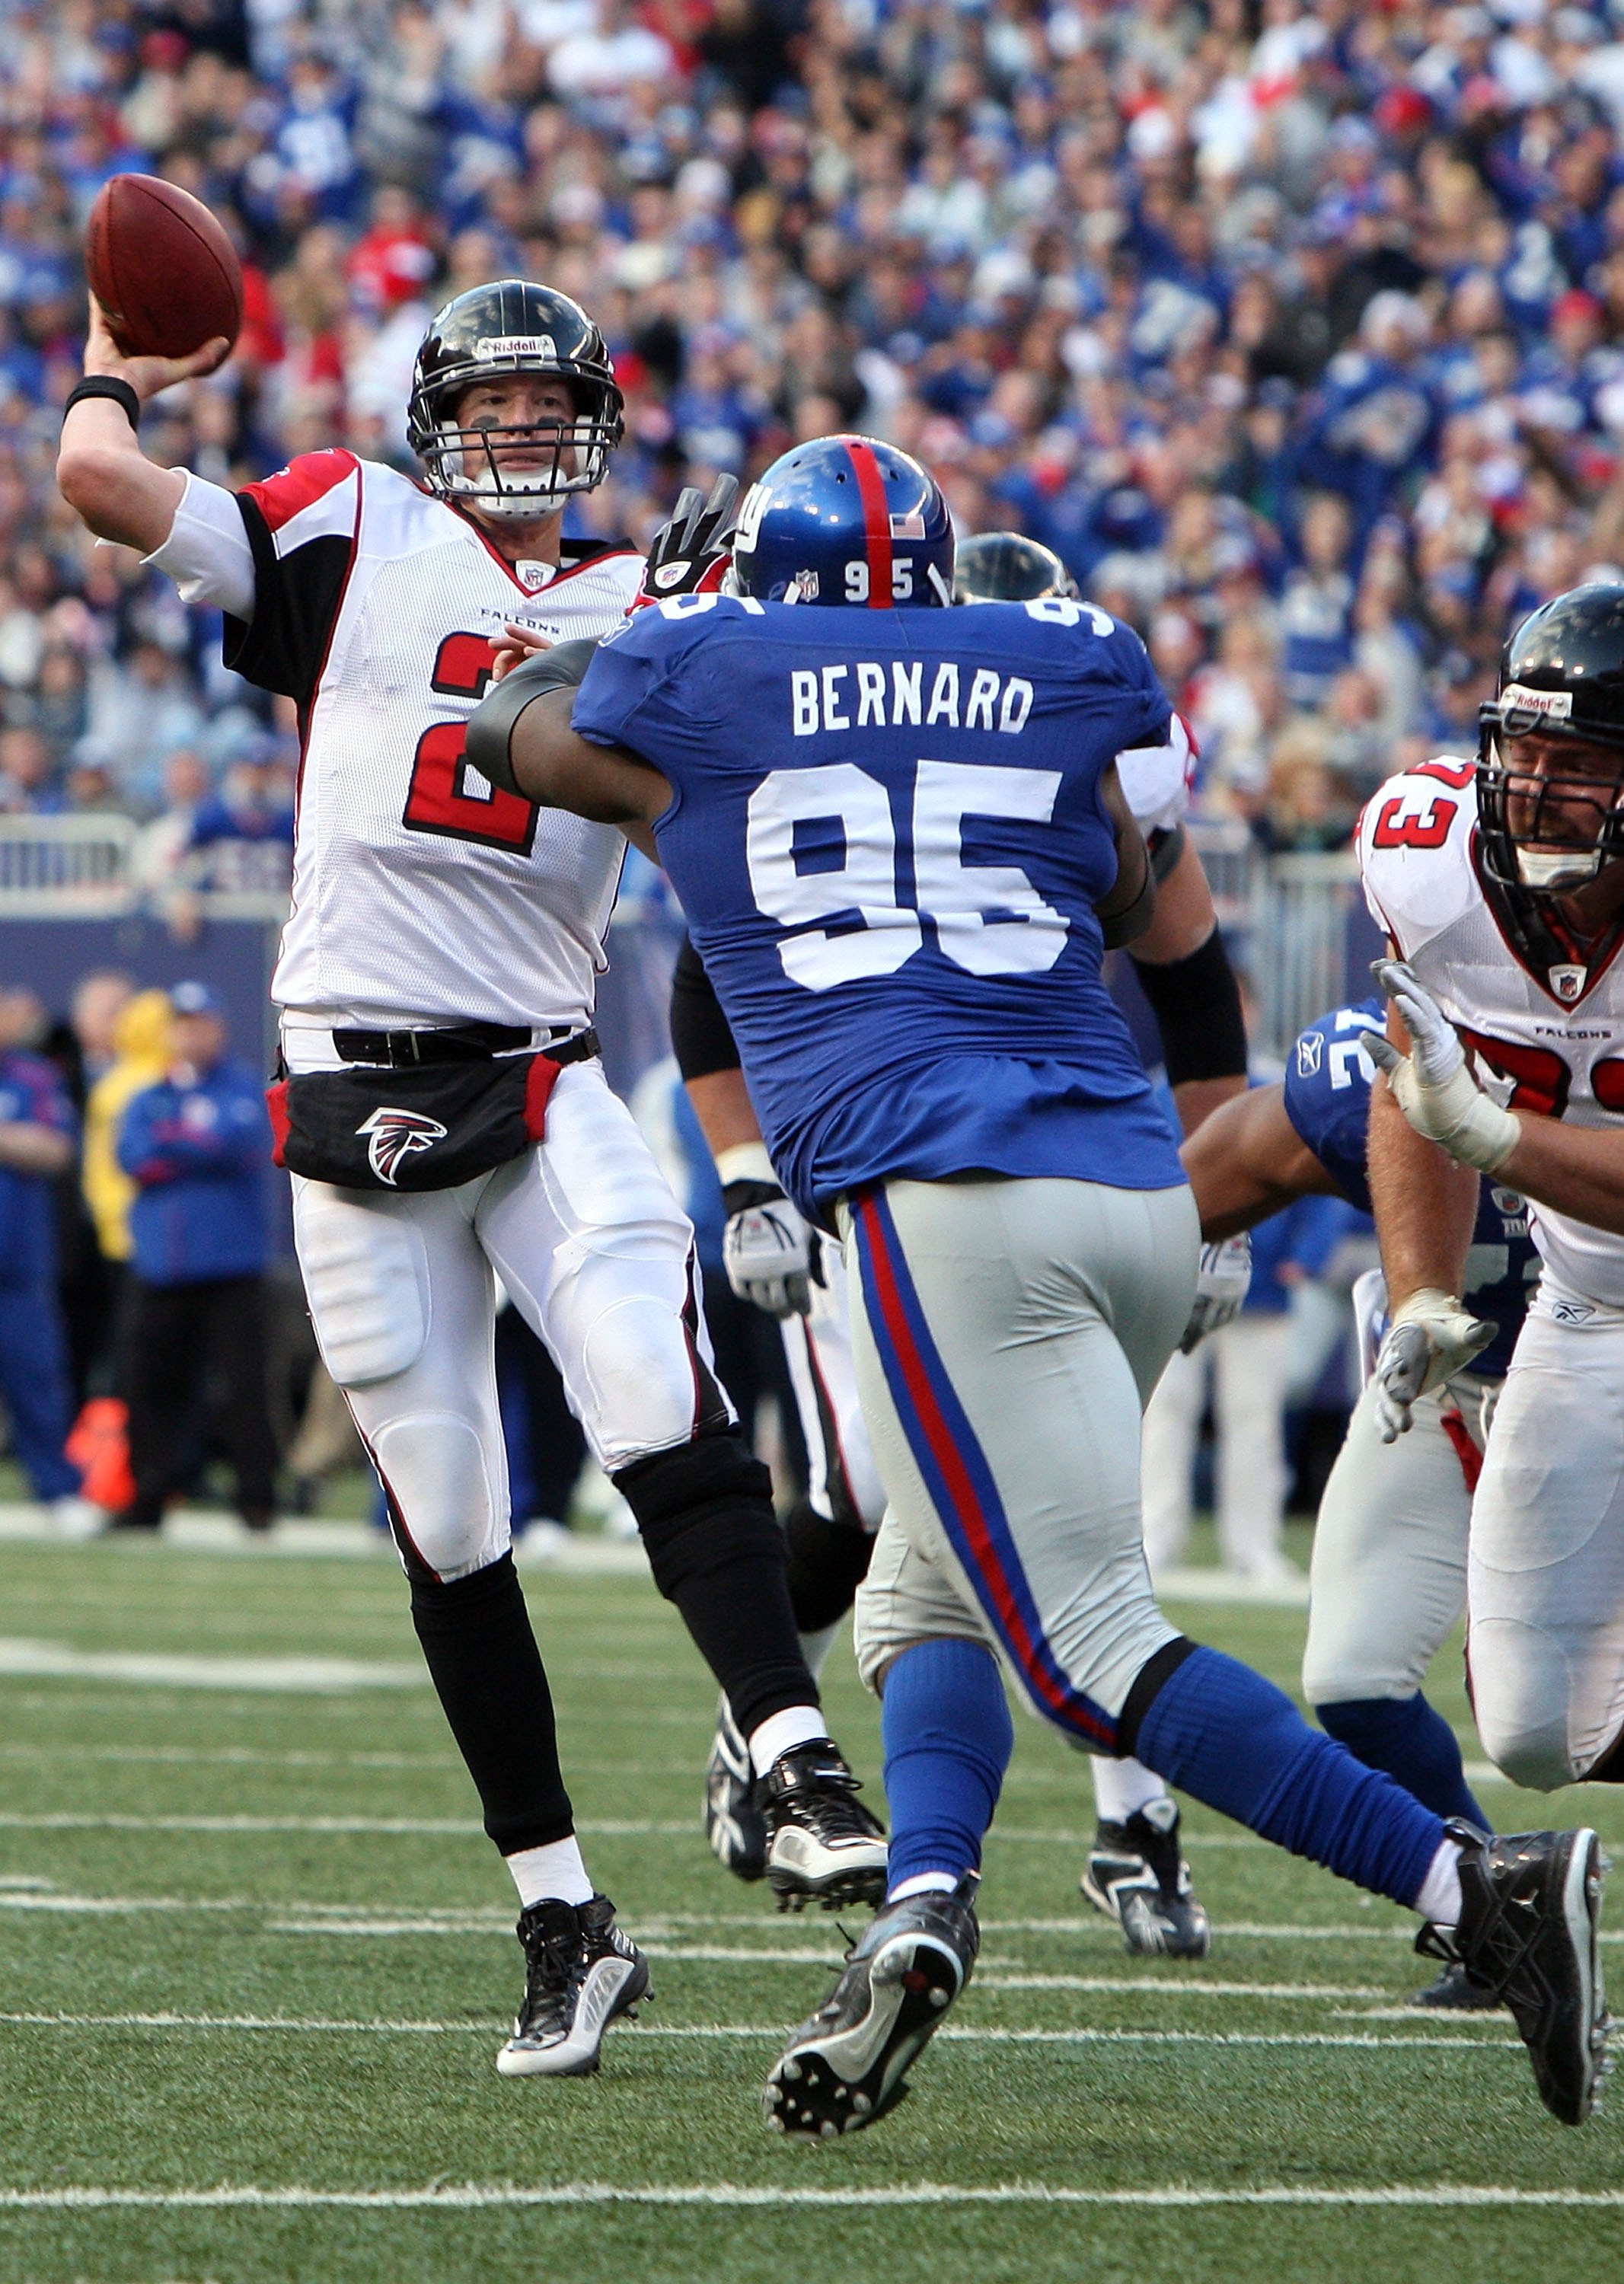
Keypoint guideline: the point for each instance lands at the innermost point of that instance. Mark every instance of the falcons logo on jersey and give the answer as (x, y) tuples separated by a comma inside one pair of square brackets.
[(394, 1136)]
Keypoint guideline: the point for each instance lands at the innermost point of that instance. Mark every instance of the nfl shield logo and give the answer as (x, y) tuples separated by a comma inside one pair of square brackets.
[(1567, 983)]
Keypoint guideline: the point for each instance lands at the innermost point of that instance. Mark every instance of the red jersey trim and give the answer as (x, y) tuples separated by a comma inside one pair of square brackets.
[(280, 498)]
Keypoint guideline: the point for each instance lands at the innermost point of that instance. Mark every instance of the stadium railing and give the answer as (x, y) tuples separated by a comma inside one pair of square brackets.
[(1295, 922)]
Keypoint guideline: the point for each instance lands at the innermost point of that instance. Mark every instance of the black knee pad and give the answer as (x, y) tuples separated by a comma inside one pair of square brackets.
[(701, 1507), (828, 1563)]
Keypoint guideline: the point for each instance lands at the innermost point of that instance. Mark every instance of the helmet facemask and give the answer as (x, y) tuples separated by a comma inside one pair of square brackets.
[(1545, 851), (461, 461)]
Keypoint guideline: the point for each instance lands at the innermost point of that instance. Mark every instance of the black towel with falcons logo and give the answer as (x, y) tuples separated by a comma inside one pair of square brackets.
[(428, 1127)]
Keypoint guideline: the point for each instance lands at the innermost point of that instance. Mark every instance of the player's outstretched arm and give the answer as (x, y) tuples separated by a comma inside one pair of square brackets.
[(1247, 1161), (101, 473), (552, 765)]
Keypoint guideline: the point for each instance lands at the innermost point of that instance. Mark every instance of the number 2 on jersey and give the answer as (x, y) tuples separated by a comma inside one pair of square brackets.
[(441, 798), (820, 846)]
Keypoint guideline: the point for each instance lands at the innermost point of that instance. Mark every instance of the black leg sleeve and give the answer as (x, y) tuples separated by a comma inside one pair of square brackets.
[(717, 1551), (484, 1663), (828, 1563)]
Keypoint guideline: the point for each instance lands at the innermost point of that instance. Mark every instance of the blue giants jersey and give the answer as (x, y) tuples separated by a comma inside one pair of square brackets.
[(886, 832), (1328, 1084)]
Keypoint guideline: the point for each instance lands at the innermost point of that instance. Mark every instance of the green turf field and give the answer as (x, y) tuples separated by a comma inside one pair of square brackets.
[(257, 1958)]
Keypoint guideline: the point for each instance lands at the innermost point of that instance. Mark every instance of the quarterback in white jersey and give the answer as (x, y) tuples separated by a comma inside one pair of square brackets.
[(1136, 1873), (442, 1106), (1502, 890)]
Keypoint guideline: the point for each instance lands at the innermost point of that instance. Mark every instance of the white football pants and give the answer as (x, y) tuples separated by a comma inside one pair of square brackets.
[(1250, 1359), (823, 1374), (596, 1255), (1387, 1578), (1545, 1572)]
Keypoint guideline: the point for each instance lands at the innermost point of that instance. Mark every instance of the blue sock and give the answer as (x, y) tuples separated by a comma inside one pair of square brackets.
[(948, 1737), (1229, 1738), (1412, 1742)]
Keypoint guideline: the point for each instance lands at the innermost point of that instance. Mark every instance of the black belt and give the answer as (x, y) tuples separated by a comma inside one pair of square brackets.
[(468, 1043)]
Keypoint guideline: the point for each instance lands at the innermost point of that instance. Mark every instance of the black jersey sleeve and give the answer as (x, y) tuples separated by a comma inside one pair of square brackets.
[(701, 1038), (303, 525)]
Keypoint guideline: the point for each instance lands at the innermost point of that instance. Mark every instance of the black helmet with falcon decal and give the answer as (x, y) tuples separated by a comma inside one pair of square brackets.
[(1546, 828), (512, 327), (1006, 567), (1561, 679)]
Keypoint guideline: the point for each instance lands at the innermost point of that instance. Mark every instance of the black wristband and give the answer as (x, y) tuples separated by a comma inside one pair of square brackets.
[(738, 1197), (106, 384)]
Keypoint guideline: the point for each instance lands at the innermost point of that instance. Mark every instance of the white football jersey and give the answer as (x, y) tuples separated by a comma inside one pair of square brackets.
[(419, 891), (1155, 780), (1550, 1042)]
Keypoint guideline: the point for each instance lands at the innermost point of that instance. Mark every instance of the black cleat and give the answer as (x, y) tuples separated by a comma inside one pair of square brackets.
[(1530, 1905), (734, 1824), (1137, 1876), (823, 1845), (580, 1972), (843, 2068), (1454, 1992)]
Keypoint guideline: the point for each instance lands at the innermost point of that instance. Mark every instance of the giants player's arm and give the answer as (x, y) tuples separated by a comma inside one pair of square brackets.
[(1185, 974), (552, 764), (1424, 1203), (101, 473), (1128, 910), (1247, 1161)]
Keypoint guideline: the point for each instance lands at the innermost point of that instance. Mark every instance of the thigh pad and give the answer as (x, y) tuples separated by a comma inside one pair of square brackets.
[(366, 1279)]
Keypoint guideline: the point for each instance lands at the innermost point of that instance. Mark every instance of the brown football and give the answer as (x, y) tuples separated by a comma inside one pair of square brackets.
[(161, 267)]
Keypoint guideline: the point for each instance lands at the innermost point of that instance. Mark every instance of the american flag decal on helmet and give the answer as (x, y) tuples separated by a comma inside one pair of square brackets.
[(394, 1135)]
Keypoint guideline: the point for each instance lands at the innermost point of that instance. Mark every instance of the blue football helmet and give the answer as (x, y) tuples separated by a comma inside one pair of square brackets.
[(844, 520)]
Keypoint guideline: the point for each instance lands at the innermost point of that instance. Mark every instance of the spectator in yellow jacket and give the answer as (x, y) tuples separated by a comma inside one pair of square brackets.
[(142, 1040)]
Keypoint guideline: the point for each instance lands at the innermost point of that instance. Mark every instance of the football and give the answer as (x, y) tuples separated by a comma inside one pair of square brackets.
[(162, 268)]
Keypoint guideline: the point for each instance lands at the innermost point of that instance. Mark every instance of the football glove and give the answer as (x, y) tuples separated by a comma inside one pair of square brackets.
[(689, 554), (1432, 1083), (1222, 1281), (765, 1247), (1431, 1339)]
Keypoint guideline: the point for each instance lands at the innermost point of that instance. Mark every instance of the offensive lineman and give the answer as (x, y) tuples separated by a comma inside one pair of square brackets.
[(901, 944), (1502, 890), (443, 1111), (1388, 1579), (1135, 1872)]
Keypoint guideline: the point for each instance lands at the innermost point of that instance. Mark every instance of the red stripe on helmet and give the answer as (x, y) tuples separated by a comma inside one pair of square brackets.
[(875, 519)]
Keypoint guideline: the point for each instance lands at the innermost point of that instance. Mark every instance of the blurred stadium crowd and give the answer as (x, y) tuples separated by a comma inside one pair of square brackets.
[(1298, 331)]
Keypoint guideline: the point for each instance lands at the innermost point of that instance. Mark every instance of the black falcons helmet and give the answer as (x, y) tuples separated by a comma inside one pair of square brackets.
[(512, 327), (1561, 675), (1002, 567)]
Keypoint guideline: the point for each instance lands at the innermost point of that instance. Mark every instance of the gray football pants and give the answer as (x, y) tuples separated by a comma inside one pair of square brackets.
[(1008, 1334)]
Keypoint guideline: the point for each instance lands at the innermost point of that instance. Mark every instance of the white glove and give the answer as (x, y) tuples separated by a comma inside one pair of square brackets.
[(1431, 1085), (766, 1245), (1222, 1281), (1431, 1339)]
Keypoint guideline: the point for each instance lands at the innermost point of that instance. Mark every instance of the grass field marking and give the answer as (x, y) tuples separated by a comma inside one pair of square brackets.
[(964, 2035), (251, 1757), (30, 1660), (497, 2196)]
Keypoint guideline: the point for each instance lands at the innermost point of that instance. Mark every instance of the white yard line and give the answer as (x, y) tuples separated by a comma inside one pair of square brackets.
[(978, 2036), (25, 1658), (502, 2195)]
